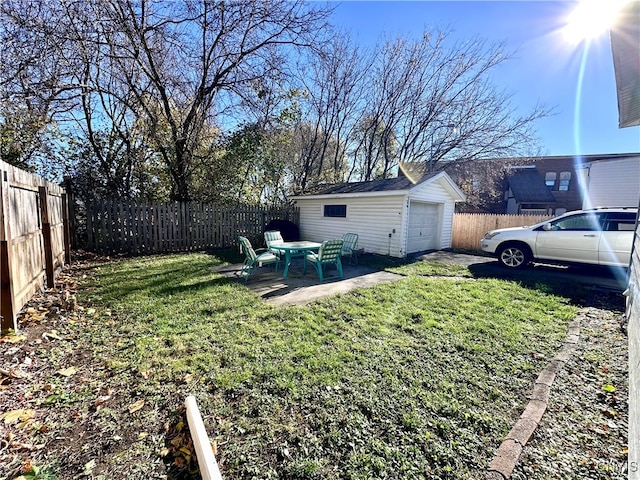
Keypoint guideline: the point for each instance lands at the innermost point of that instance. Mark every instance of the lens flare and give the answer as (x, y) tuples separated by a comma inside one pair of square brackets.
[(592, 18)]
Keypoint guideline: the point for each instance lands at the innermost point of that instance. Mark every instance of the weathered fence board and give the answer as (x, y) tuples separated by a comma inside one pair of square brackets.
[(33, 238), (469, 228), (129, 227)]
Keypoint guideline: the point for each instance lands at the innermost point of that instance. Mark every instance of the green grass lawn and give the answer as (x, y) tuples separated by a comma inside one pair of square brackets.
[(420, 378)]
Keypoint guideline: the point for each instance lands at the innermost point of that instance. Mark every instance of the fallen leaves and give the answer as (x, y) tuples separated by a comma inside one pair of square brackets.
[(15, 416), (32, 314), (135, 406), (53, 334), (14, 372), (49, 379), (178, 450), (12, 338), (31, 472), (67, 372), (101, 400)]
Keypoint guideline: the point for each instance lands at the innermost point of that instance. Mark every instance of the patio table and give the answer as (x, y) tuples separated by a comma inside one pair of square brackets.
[(294, 249)]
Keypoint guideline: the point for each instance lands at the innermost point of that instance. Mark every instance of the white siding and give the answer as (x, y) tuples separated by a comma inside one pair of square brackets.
[(614, 183), (373, 218), (436, 193), (381, 219)]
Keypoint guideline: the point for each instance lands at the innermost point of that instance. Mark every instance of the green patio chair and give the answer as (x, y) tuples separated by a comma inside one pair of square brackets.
[(254, 259), (273, 237), (350, 245), (328, 254)]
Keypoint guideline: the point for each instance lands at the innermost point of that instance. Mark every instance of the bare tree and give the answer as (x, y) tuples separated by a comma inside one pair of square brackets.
[(147, 81), (31, 80), (192, 53), (430, 101), (438, 100), (173, 64), (334, 81), (373, 154)]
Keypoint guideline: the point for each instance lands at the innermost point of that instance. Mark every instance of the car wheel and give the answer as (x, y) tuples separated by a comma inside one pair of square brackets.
[(514, 256)]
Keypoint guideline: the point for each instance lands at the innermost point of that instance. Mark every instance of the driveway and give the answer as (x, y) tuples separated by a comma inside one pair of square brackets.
[(611, 279), (599, 287)]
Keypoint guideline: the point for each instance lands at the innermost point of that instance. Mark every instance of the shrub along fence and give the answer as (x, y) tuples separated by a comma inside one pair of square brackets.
[(34, 238), (133, 227), (469, 228)]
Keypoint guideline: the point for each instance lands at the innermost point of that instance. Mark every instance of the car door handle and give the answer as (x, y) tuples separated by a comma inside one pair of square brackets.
[(590, 235)]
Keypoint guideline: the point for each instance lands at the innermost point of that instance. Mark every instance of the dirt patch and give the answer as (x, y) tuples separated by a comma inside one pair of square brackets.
[(67, 413)]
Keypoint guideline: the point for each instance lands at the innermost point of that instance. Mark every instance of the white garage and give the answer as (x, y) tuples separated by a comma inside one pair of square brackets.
[(394, 216), (423, 228)]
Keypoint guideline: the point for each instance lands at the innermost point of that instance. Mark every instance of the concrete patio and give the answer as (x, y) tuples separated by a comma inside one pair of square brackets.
[(298, 289)]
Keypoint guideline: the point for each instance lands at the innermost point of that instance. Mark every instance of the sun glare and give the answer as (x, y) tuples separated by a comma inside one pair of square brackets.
[(592, 18)]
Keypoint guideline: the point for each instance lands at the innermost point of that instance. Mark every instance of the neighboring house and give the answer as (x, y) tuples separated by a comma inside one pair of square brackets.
[(560, 176), (394, 216), (613, 183), (625, 47), (573, 183), (527, 193), (549, 185), (542, 185)]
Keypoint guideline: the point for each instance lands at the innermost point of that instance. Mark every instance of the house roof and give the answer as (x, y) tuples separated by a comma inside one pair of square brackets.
[(387, 186), (528, 186), (415, 170), (384, 185), (625, 47)]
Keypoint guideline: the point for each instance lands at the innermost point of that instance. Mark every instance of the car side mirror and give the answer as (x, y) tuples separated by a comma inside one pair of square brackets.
[(547, 227)]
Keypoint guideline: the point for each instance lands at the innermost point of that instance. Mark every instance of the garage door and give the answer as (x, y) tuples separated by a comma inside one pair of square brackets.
[(423, 227)]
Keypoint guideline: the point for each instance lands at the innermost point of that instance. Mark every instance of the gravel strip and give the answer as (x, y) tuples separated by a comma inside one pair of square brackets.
[(583, 434)]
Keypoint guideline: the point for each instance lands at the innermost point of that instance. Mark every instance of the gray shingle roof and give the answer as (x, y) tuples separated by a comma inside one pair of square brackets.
[(384, 185), (528, 186)]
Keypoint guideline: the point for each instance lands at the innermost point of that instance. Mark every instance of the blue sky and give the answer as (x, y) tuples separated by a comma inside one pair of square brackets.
[(545, 68)]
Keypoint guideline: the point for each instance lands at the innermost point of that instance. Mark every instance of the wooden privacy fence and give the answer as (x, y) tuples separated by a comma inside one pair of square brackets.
[(131, 227), (469, 228), (34, 238)]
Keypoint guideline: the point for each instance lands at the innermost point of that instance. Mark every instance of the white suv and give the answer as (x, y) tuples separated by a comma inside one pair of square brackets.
[(599, 236)]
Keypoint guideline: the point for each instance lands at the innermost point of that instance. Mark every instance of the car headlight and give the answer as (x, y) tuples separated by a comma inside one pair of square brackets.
[(490, 235)]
